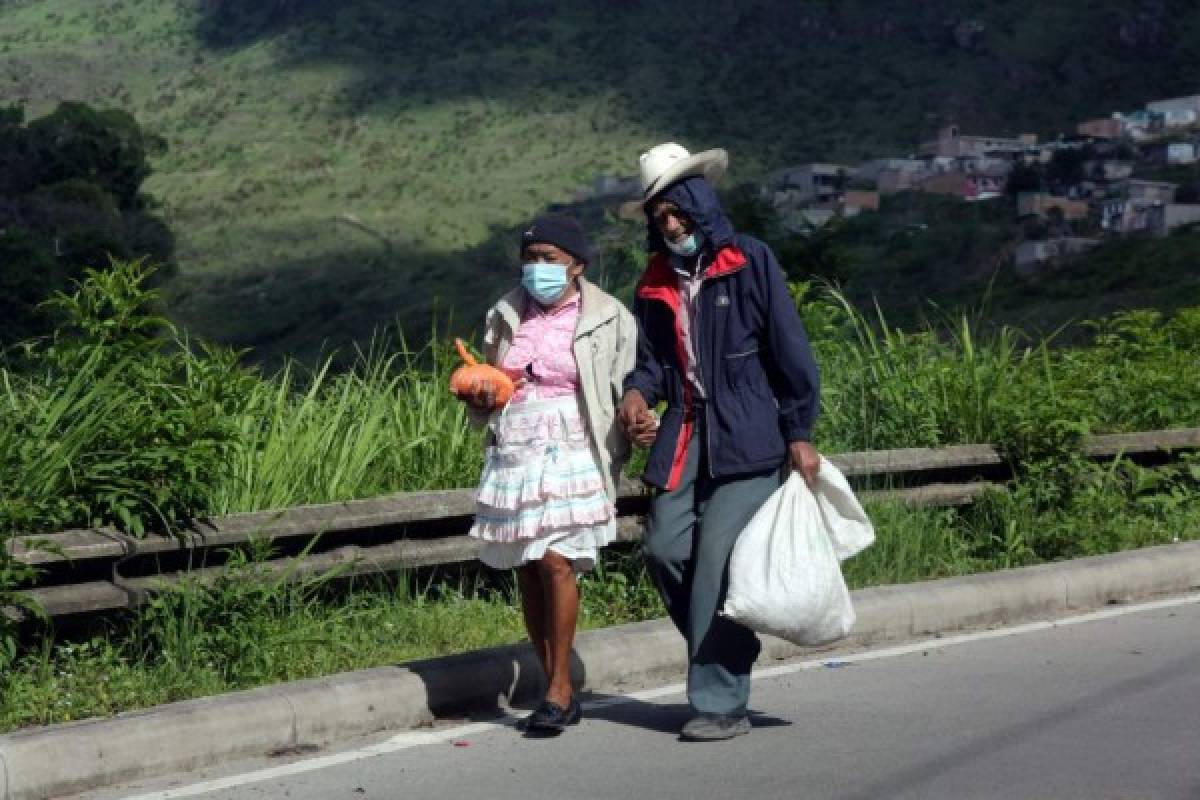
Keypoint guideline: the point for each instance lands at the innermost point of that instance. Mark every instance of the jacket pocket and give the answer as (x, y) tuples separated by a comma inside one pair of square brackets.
[(745, 431), (744, 370)]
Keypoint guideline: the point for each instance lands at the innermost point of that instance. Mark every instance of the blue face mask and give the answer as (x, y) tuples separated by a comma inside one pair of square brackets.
[(545, 282), (685, 248)]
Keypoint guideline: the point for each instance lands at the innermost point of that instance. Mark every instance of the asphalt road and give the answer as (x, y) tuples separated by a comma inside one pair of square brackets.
[(1095, 709)]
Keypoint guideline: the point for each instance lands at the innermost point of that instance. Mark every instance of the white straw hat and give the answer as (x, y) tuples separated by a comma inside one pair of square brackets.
[(662, 165)]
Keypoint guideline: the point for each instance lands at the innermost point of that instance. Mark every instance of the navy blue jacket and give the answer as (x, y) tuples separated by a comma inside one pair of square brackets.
[(755, 363)]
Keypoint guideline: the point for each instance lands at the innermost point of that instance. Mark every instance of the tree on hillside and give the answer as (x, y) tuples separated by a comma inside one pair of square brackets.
[(1066, 168), (70, 198), (1025, 178)]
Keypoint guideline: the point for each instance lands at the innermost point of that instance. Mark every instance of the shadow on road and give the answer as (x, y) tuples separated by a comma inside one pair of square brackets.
[(661, 717)]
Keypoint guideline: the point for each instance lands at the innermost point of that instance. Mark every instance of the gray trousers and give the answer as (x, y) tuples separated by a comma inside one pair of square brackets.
[(690, 534)]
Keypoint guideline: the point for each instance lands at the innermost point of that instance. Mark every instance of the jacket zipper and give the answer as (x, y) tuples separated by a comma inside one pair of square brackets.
[(700, 373)]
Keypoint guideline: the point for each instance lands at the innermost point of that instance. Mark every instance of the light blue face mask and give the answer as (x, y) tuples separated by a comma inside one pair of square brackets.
[(686, 248), (544, 281)]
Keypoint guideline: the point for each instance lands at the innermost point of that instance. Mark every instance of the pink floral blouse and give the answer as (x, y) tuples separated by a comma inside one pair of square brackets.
[(541, 352)]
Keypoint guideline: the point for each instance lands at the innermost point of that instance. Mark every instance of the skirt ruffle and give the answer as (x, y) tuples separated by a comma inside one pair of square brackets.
[(541, 485), (581, 548)]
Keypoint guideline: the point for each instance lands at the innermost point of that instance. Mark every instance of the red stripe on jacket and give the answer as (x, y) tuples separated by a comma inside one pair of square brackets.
[(659, 282)]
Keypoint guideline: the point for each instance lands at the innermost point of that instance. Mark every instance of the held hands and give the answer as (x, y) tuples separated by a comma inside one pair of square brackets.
[(805, 459), (638, 421)]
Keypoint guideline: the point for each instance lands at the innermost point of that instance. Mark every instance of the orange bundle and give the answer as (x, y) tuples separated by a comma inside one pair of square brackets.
[(469, 379)]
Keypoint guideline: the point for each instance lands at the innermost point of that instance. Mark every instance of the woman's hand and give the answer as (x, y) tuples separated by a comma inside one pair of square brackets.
[(638, 421), (483, 396)]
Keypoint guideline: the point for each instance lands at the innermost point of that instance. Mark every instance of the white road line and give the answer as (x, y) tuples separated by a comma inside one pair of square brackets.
[(406, 741)]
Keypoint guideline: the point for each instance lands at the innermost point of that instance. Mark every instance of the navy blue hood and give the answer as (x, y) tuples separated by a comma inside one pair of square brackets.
[(696, 198)]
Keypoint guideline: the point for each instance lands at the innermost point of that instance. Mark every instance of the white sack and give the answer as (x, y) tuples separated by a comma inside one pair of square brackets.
[(785, 578)]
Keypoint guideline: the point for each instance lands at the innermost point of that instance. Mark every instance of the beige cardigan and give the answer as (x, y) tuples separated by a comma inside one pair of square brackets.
[(605, 350)]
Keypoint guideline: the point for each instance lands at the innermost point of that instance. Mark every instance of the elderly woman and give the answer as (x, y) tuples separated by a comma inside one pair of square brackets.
[(546, 496)]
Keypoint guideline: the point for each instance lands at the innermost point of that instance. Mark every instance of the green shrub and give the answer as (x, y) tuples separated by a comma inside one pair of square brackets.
[(111, 421)]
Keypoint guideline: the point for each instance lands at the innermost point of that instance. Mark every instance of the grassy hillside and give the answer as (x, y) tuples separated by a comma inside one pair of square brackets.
[(439, 125)]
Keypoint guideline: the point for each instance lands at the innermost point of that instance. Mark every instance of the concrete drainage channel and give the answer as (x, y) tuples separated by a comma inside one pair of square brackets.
[(63, 759)]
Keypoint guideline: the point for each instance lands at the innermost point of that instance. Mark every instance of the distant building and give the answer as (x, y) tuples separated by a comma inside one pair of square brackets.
[(813, 183), (1175, 215), (1175, 120), (801, 220), (1171, 152), (891, 181), (873, 169), (1177, 112), (1136, 206), (951, 143), (984, 164), (891, 175), (854, 201), (1104, 128), (799, 215), (1143, 126), (1039, 204), (1033, 256), (1176, 105), (1150, 192), (1107, 170), (967, 186)]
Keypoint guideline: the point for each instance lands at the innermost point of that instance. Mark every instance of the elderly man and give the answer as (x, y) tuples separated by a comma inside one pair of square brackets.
[(721, 343)]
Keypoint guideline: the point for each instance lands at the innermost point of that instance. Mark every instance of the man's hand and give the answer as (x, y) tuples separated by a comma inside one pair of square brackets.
[(638, 421), (805, 459)]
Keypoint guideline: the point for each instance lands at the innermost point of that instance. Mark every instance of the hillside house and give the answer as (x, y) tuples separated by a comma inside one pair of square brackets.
[(812, 183), (1143, 126), (891, 181), (1175, 215), (1040, 204), (891, 175), (871, 170), (1171, 153), (1176, 105), (1103, 128), (1136, 206), (951, 143), (967, 186), (1150, 192), (1107, 170), (801, 220), (797, 216), (854, 201), (1034, 256)]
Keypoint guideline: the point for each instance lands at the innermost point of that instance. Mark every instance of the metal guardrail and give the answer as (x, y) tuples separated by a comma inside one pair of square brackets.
[(101, 569)]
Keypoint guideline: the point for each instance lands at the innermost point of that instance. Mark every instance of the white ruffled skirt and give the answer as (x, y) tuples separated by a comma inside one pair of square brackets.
[(541, 489)]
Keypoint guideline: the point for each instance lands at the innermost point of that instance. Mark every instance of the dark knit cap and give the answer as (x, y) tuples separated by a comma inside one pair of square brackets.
[(560, 231)]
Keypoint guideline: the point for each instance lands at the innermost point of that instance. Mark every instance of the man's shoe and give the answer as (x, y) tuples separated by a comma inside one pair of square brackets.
[(709, 727), (553, 718)]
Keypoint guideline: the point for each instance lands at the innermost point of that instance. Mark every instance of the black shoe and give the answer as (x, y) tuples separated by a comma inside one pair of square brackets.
[(553, 718), (708, 727)]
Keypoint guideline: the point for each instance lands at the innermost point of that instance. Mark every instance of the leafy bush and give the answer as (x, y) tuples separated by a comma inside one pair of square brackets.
[(111, 423)]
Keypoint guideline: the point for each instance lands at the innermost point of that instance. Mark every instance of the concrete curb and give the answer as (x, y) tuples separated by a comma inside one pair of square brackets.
[(52, 761)]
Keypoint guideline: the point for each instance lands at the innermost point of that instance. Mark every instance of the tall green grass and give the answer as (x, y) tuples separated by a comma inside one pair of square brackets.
[(119, 421), (387, 425), (957, 382)]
